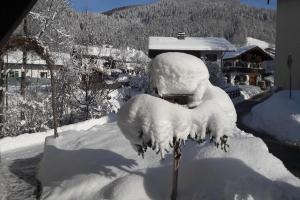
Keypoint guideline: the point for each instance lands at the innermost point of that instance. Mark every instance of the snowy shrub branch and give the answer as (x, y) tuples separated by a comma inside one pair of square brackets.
[(148, 121)]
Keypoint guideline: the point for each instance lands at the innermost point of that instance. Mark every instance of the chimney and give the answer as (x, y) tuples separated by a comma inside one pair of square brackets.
[(181, 35)]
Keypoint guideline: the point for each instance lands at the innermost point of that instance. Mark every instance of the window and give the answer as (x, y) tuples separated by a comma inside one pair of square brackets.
[(13, 74), (228, 64), (43, 74), (211, 57)]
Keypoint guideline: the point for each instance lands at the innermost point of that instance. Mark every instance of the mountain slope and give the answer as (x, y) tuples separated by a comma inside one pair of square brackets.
[(132, 26), (220, 18)]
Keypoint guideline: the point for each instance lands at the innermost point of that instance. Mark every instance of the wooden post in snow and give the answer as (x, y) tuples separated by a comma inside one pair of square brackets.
[(176, 162)]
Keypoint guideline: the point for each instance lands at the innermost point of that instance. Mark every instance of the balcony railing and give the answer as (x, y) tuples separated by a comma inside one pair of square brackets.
[(243, 70)]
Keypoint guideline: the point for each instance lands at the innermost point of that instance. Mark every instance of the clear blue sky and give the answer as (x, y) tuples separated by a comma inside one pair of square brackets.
[(261, 3), (104, 5)]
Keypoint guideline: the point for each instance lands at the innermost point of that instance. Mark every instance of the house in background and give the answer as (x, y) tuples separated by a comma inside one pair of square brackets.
[(209, 49), (35, 66), (247, 66), (287, 42)]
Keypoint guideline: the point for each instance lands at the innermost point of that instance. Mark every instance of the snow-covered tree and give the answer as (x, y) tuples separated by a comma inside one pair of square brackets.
[(36, 45), (148, 121)]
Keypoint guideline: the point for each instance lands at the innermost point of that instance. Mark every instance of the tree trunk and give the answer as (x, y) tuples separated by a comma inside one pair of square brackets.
[(2, 93), (23, 69), (176, 162), (53, 98), (6, 89), (23, 80)]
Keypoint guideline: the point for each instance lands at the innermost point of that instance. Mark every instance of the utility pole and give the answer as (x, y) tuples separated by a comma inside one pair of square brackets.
[(290, 62)]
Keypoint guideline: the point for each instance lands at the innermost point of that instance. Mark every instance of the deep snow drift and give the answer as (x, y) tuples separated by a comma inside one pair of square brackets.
[(278, 116), (99, 163)]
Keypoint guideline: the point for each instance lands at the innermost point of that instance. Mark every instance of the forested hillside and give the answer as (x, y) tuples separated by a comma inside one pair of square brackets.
[(132, 26)]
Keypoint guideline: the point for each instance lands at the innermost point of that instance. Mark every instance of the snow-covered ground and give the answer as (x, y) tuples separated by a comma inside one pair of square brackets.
[(13, 143), (249, 91), (99, 163), (278, 116), (17, 173)]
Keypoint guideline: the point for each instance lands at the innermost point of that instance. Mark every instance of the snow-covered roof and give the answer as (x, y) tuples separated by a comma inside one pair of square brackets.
[(16, 57), (190, 43), (127, 54), (241, 50), (257, 42), (238, 52)]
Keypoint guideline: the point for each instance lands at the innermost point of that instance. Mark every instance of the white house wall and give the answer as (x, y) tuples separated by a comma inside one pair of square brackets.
[(32, 73)]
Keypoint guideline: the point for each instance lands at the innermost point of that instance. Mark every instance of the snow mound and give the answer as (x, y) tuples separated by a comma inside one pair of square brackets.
[(150, 121), (278, 116), (218, 97), (207, 173), (249, 91), (99, 164), (177, 73)]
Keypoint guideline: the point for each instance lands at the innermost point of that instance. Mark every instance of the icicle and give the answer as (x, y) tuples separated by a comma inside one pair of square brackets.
[(162, 155), (174, 140), (183, 142), (154, 146), (149, 143), (158, 151), (224, 144), (141, 134)]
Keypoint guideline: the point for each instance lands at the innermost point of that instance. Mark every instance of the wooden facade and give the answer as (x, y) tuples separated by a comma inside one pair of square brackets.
[(245, 66)]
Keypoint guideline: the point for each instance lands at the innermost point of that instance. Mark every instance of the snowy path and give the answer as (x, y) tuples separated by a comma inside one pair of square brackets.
[(288, 154), (18, 169)]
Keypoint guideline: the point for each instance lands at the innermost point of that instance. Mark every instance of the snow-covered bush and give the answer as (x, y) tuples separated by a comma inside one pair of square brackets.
[(150, 121), (37, 114)]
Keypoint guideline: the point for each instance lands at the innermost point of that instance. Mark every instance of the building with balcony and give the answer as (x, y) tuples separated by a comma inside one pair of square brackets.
[(209, 49), (246, 66)]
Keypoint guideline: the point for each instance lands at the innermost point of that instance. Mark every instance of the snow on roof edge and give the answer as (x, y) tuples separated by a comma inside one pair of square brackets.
[(190, 43)]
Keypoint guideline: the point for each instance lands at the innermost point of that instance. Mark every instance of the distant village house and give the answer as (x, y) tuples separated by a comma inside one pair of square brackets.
[(247, 66), (35, 66), (209, 49)]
